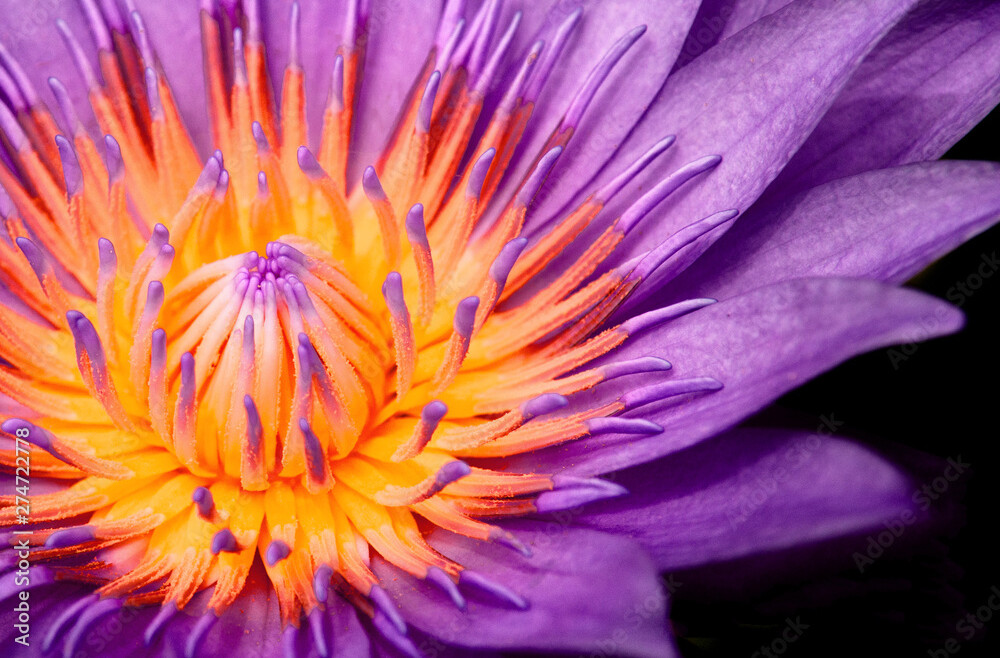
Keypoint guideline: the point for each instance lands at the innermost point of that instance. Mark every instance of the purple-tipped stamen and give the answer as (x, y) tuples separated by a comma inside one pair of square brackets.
[(638, 210), (259, 137), (309, 165), (426, 108), (72, 174), (477, 175), (530, 188), (66, 108), (443, 581), (505, 538), (388, 629), (276, 551), (198, 633), (608, 192), (542, 405), (641, 323), (255, 431), (372, 185), (489, 72), (416, 231), (551, 55), (80, 58), (451, 472), (113, 159), (634, 367), (153, 94), (465, 317), (321, 582), (672, 246), (167, 611), (598, 75), (494, 590), (446, 54), (383, 603), (676, 387), (71, 536), (618, 425), (504, 262), (315, 458), (88, 618), (224, 541), (202, 497), (392, 291), (98, 28), (72, 612), (335, 100), (430, 417), (318, 632), (571, 492), (12, 129), (11, 91), (140, 35)]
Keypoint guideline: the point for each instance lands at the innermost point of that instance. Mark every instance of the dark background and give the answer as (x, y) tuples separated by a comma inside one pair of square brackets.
[(942, 399)]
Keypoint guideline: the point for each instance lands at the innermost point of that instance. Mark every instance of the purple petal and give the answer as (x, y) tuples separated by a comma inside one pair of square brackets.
[(752, 491), (924, 86), (753, 99), (759, 345), (885, 225), (720, 19), (582, 588)]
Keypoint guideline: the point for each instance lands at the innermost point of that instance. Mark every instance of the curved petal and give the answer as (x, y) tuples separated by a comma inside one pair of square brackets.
[(122, 632), (885, 225), (587, 592), (924, 86), (752, 99), (753, 490), (720, 19), (759, 345), (252, 626), (118, 634)]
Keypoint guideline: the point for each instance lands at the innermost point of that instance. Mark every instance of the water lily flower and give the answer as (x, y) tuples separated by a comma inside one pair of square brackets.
[(438, 332)]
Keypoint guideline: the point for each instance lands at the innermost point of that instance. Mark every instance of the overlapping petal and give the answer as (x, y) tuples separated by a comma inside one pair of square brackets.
[(759, 345), (753, 490), (885, 225), (782, 75), (925, 85), (587, 592), (753, 99)]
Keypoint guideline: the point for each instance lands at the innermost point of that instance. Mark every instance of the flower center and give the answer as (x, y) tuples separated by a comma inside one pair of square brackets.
[(266, 362)]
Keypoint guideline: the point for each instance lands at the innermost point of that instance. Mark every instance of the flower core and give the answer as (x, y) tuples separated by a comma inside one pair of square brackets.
[(254, 357)]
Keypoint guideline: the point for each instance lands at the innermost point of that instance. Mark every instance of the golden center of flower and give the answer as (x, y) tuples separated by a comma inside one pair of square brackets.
[(258, 360)]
